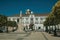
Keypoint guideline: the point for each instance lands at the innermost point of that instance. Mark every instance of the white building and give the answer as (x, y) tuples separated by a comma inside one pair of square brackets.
[(28, 18)]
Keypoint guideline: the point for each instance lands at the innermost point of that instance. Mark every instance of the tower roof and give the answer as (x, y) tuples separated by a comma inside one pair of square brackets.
[(28, 10)]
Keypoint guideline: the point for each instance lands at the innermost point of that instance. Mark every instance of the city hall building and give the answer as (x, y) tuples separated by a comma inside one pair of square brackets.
[(29, 18)]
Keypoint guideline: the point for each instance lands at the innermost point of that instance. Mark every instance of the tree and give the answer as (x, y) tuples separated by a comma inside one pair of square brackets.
[(54, 16), (49, 22), (3, 20), (52, 21), (12, 24), (56, 12), (46, 25)]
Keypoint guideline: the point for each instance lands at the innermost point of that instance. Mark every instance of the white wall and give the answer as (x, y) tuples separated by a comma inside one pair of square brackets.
[(28, 20)]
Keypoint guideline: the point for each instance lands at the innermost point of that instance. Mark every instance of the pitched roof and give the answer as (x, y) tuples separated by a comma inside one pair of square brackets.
[(17, 15), (41, 14)]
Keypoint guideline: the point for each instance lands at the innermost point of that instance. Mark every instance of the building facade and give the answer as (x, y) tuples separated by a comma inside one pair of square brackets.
[(29, 18)]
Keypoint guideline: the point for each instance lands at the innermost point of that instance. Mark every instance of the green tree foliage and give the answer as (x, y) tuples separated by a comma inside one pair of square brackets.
[(11, 23), (54, 16), (3, 20)]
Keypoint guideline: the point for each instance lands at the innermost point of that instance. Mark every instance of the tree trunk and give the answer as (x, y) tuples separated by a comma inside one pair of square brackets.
[(52, 28), (7, 30), (58, 27), (46, 29), (49, 30), (55, 34)]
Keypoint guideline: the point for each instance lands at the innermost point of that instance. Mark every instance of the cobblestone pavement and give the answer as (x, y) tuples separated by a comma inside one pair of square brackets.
[(12, 36), (35, 36), (50, 36), (28, 36)]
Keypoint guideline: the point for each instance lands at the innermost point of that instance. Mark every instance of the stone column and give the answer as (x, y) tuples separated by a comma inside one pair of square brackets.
[(20, 25)]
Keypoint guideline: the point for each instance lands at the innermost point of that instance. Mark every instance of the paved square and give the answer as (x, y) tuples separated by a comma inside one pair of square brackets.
[(27, 36)]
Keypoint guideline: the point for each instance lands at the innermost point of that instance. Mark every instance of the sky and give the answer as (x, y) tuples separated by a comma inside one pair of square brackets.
[(12, 7)]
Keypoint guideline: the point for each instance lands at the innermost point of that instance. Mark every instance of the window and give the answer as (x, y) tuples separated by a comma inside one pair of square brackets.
[(36, 18), (26, 18), (32, 19), (41, 18), (13, 19)]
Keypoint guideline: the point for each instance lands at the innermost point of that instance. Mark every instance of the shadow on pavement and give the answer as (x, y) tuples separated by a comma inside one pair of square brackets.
[(18, 33), (44, 36), (24, 36), (27, 34), (56, 36), (20, 39)]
